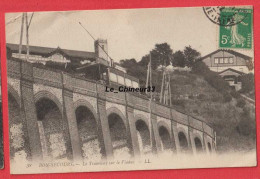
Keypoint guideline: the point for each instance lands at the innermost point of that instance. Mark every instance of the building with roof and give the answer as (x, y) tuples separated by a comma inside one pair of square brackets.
[(232, 77), (223, 59), (96, 65), (230, 65), (44, 54)]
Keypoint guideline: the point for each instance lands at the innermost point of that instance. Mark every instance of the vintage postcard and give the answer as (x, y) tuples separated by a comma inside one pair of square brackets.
[(132, 89)]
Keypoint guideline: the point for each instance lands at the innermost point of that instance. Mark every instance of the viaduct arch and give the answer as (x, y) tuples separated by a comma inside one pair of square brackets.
[(48, 106)]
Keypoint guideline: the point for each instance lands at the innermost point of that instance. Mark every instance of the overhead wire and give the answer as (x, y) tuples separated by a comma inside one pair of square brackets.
[(10, 21), (111, 59)]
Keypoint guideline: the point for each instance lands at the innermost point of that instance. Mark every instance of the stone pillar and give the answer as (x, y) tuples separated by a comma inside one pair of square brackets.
[(191, 144), (71, 129), (67, 122), (175, 136), (172, 134), (155, 138), (214, 146), (28, 106), (204, 144), (191, 141), (102, 123), (133, 132)]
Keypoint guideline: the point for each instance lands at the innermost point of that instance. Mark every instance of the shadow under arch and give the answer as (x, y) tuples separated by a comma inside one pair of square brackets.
[(209, 147), (143, 136), (165, 136), (82, 102), (88, 130), (52, 126), (118, 133), (198, 144), (183, 141), (48, 95)]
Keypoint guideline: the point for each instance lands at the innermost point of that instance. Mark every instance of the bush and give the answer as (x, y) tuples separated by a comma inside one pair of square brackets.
[(178, 102), (200, 68), (196, 111), (234, 94), (201, 96), (227, 97), (245, 126), (217, 82), (214, 97), (241, 103), (248, 83), (211, 77), (191, 96)]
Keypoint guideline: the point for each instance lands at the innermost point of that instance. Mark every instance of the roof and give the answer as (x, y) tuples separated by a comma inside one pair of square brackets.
[(46, 51), (229, 51), (233, 70)]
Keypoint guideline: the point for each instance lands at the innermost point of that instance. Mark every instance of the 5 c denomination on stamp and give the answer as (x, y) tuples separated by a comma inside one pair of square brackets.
[(238, 35)]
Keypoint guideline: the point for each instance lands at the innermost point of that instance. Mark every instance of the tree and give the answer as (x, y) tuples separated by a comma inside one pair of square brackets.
[(216, 81), (161, 55), (191, 56), (128, 62), (246, 125), (178, 59), (144, 61), (200, 68)]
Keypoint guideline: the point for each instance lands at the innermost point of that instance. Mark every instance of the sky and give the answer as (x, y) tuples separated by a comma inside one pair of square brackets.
[(130, 33)]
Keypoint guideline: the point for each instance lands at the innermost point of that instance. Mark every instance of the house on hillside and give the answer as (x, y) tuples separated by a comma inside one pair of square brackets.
[(230, 65), (232, 77)]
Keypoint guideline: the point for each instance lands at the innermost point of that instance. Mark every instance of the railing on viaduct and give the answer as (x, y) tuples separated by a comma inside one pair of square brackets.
[(53, 114)]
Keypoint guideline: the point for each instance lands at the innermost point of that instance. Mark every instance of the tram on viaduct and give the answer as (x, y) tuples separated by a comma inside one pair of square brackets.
[(55, 115)]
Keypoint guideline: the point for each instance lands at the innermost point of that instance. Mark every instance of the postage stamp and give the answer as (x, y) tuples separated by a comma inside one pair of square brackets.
[(237, 31)]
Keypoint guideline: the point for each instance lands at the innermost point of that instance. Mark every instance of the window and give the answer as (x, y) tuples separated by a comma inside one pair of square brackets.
[(231, 60), (225, 60), (105, 76), (135, 84), (121, 80), (128, 82), (113, 77)]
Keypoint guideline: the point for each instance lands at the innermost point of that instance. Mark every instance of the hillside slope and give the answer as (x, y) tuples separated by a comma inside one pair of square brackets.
[(234, 123), (232, 117)]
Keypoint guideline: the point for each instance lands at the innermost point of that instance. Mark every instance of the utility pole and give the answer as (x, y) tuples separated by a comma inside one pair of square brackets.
[(27, 25), (149, 83), (165, 95), (27, 37), (21, 37), (149, 74)]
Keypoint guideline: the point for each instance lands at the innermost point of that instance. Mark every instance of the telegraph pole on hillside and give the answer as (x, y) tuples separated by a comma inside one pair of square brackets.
[(27, 25), (21, 37), (165, 95), (149, 83), (149, 74)]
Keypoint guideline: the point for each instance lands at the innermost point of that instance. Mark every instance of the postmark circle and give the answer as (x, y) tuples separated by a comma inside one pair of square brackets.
[(229, 18)]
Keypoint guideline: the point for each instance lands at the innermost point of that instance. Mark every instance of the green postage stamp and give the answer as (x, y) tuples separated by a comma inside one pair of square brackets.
[(235, 30)]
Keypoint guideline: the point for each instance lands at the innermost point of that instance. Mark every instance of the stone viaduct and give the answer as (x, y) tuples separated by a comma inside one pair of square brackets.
[(55, 115)]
